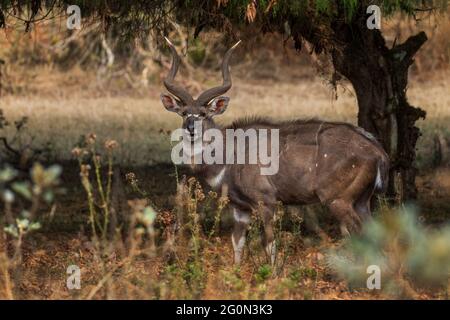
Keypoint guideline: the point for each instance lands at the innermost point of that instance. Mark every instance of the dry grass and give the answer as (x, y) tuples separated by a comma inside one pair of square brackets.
[(144, 275), (136, 121)]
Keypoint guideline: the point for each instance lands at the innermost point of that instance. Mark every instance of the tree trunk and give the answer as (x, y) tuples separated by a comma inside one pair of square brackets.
[(379, 76)]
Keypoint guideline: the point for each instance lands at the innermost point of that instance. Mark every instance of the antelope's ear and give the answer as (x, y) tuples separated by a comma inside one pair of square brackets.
[(218, 105), (170, 103)]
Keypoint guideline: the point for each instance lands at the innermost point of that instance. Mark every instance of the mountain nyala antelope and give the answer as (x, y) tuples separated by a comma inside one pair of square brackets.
[(336, 164)]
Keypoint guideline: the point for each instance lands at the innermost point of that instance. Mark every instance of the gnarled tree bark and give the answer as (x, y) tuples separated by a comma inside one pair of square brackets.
[(379, 76)]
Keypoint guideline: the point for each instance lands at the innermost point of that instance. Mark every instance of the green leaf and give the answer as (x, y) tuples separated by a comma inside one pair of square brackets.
[(34, 226), (7, 174), (22, 188), (22, 224), (48, 196), (264, 272), (8, 196), (149, 215), (12, 230), (52, 174), (37, 174), (45, 177)]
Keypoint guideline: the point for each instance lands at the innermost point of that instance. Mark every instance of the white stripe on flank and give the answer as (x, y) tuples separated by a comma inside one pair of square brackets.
[(216, 180), (241, 217), (378, 181)]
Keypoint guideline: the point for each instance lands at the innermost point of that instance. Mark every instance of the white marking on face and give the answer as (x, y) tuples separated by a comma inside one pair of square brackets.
[(198, 129), (217, 180), (325, 155), (187, 136), (241, 217)]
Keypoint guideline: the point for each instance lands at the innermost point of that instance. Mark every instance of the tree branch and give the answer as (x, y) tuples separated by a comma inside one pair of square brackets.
[(409, 48), (8, 147)]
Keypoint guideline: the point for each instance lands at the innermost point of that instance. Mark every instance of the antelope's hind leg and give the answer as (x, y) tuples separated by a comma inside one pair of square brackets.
[(352, 206), (363, 204), (241, 221), (350, 221), (269, 235)]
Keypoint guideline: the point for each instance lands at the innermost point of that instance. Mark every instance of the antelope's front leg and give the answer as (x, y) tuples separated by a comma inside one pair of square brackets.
[(241, 221), (268, 235)]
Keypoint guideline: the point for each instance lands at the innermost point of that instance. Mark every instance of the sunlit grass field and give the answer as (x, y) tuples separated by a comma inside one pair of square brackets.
[(136, 121)]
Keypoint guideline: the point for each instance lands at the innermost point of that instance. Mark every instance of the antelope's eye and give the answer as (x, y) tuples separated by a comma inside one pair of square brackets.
[(184, 113), (202, 114)]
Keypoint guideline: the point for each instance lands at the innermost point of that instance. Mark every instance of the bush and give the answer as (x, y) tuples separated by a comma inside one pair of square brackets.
[(409, 255)]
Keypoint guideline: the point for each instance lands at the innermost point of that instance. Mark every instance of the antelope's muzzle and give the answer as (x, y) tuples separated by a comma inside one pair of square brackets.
[(193, 127)]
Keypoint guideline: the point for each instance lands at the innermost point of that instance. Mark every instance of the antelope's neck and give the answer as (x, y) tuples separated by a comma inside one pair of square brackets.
[(213, 174)]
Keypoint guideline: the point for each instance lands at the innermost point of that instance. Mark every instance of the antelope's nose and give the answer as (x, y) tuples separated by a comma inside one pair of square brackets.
[(191, 127)]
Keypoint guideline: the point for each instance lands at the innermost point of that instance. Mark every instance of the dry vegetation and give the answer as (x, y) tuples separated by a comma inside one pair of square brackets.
[(146, 259)]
